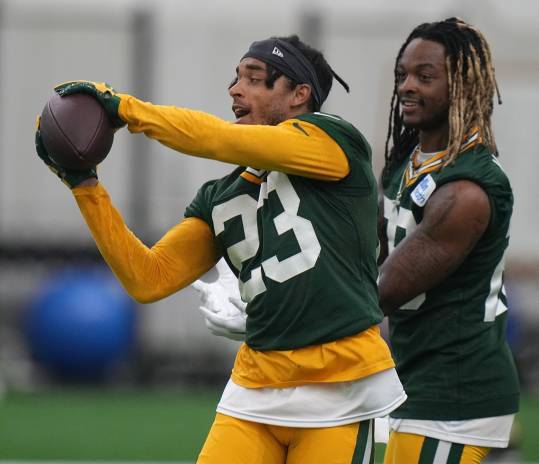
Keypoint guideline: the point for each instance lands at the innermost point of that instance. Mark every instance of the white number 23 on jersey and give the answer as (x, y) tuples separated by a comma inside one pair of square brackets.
[(246, 207)]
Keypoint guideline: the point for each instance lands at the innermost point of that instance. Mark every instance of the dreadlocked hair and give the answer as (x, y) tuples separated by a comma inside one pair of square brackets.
[(472, 85)]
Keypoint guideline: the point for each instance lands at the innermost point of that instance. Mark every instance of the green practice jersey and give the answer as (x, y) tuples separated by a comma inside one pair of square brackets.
[(449, 343), (304, 250)]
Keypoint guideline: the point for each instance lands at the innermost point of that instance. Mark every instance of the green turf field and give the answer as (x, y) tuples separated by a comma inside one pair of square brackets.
[(91, 425)]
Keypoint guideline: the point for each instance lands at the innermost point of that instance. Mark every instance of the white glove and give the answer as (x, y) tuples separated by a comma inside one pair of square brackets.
[(222, 307)]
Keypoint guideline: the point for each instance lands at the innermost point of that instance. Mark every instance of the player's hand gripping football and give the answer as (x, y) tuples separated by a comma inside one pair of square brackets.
[(222, 307), (105, 94), (69, 177)]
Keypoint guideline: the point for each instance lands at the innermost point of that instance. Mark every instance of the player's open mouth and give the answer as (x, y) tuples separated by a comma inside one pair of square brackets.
[(408, 105), (240, 111)]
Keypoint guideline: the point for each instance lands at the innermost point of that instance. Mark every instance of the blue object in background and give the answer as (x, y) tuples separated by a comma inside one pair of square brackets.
[(81, 323)]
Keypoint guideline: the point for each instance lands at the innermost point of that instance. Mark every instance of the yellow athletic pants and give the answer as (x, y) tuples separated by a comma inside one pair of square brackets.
[(409, 448), (236, 441)]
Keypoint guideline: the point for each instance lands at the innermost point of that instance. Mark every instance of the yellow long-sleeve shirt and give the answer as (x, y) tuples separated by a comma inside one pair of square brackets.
[(315, 154), (188, 249)]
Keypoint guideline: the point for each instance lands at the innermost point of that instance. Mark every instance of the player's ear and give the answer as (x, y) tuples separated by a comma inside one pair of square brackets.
[(302, 94)]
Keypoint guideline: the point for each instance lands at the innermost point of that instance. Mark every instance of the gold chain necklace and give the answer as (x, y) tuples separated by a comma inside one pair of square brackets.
[(411, 172), (432, 163)]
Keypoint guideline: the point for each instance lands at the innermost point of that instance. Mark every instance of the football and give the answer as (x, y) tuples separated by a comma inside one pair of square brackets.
[(76, 131)]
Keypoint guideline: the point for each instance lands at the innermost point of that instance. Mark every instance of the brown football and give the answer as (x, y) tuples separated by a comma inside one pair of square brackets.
[(76, 131)]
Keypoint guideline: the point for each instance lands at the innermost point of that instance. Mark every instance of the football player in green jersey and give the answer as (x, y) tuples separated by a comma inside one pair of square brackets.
[(447, 206), (296, 223)]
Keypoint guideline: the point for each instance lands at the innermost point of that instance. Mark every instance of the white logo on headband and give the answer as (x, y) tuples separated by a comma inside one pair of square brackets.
[(277, 52)]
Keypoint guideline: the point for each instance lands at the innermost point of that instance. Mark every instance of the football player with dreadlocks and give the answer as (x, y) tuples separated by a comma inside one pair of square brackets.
[(447, 206)]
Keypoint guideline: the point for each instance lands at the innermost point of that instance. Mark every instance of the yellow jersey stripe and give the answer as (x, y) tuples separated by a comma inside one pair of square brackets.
[(435, 162), (251, 178)]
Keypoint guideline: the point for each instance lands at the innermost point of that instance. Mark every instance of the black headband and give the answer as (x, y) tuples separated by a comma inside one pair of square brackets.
[(290, 61)]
